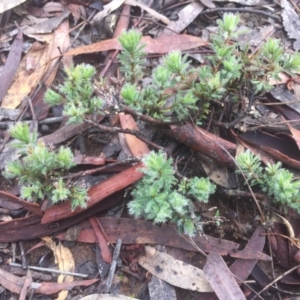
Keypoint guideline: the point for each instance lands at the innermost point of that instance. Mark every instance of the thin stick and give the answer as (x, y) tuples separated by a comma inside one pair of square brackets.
[(113, 266), (276, 280), (128, 131), (242, 10), (50, 270)]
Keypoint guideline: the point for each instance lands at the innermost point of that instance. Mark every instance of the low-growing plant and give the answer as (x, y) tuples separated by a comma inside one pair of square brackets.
[(40, 171), (177, 89), (76, 94), (231, 70), (161, 197), (276, 181)]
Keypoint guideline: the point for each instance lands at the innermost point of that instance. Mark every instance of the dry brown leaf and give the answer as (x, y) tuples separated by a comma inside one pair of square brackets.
[(163, 44), (174, 271), (59, 44), (11, 282), (11, 65), (65, 261), (48, 25), (295, 133), (24, 82), (27, 283), (221, 278)]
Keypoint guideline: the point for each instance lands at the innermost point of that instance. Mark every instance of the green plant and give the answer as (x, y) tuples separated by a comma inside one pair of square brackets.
[(231, 71), (40, 171), (179, 90), (161, 197), (156, 99), (132, 57), (276, 181), (76, 94)]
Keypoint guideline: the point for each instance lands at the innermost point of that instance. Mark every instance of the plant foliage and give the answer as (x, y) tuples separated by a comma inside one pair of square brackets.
[(76, 93), (276, 181), (161, 197), (232, 69), (40, 171)]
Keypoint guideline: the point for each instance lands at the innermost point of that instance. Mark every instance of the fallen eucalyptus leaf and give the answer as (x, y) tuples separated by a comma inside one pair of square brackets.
[(174, 271)]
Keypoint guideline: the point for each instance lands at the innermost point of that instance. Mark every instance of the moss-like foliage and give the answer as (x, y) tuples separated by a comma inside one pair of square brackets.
[(40, 171), (161, 197)]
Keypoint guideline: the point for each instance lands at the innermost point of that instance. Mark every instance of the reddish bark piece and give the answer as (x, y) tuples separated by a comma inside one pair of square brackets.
[(96, 194), (137, 147), (205, 142), (163, 44), (220, 278), (49, 288), (30, 227), (279, 156), (133, 231), (32, 207), (105, 252), (16, 224), (15, 283), (242, 268), (11, 65)]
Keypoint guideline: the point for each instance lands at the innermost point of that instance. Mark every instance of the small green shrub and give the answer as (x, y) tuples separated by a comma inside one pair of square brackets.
[(40, 170), (231, 70), (179, 90), (161, 197), (276, 181), (76, 94)]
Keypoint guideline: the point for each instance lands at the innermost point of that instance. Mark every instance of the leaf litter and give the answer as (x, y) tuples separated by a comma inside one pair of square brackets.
[(40, 66)]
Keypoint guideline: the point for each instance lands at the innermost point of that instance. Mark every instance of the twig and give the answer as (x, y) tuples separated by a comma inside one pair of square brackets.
[(23, 256), (53, 120), (148, 119), (50, 270), (128, 131), (102, 168), (113, 266), (243, 10), (276, 280)]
